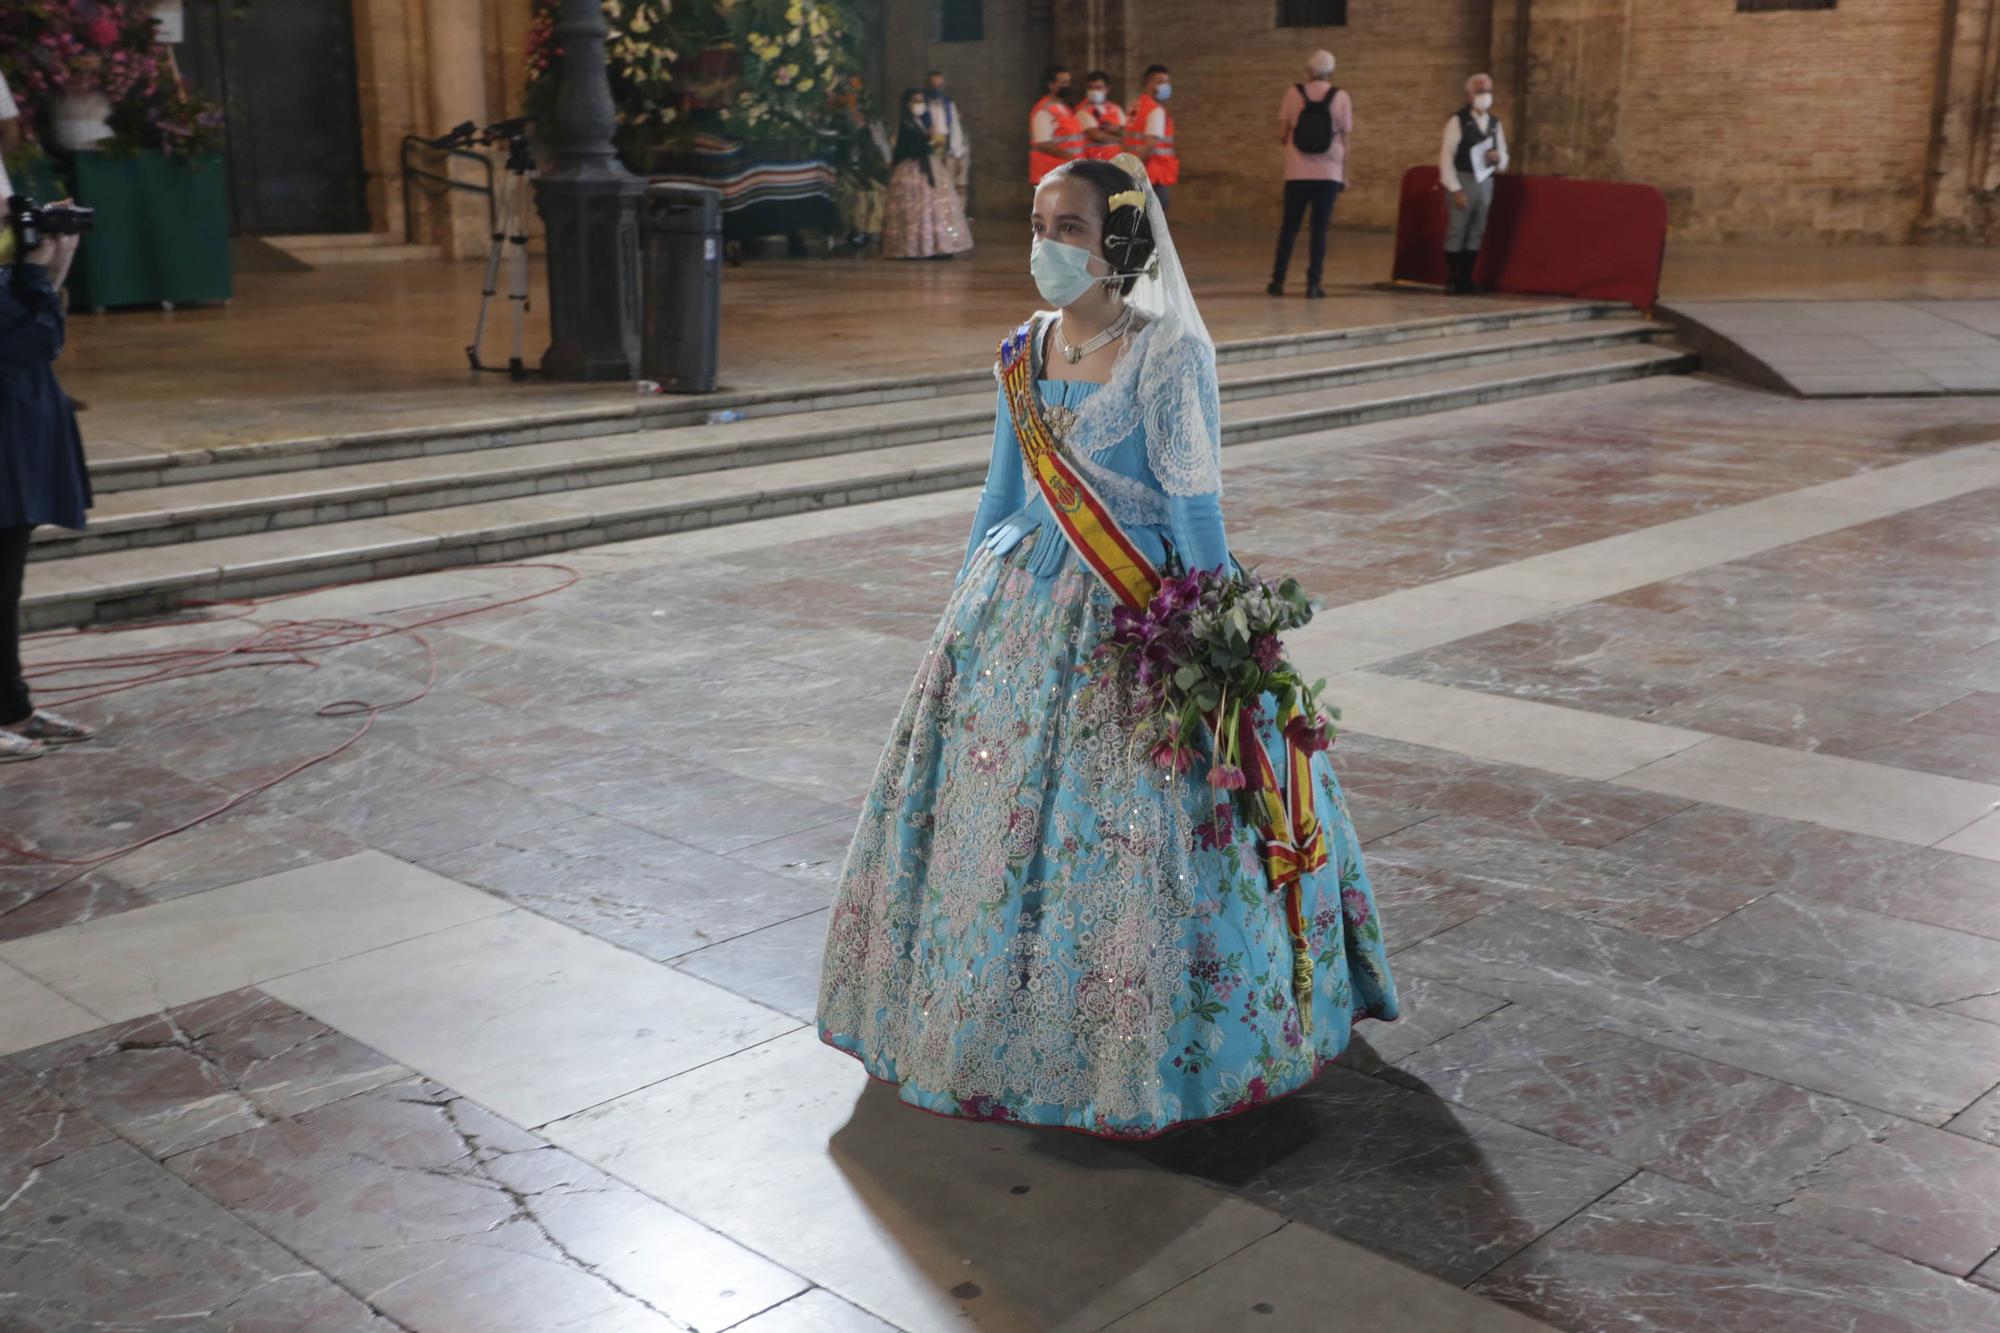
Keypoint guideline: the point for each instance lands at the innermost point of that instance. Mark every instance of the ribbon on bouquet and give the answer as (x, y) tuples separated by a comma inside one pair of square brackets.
[(1286, 820)]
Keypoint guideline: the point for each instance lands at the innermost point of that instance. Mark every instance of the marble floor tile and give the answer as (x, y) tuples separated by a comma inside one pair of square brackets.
[(1860, 949), (1655, 1256), (37, 1127), (1562, 809), (157, 957), (925, 1222), (447, 1217), (1981, 1120), (1735, 1133), (815, 1311), (692, 803), (1498, 865), (778, 966), (1896, 803), (107, 1239), (530, 1018), (1432, 1011), (1503, 730), (252, 841), (1302, 1278), (34, 899), (1420, 617), (1446, 1190), (1827, 866), (199, 1072), (1980, 838), (639, 890), (1923, 1064), (31, 1013), (814, 856), (1921, 1193)]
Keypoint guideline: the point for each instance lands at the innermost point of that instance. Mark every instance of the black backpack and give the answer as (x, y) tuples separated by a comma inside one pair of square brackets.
[(1313, 131)]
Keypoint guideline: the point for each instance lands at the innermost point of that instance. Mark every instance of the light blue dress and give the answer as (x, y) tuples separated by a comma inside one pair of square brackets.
[(1036, 923)]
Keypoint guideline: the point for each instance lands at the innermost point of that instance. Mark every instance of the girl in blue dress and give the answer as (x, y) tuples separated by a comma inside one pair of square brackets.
[(1038, 921)]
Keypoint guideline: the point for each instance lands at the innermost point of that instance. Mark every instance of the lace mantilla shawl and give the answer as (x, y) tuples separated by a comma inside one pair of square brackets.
[(1166, 383)]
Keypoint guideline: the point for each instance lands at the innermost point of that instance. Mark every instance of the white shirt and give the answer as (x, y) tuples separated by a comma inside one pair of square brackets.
[(1156, 123), (1447, 168), (955, 145), (8, 111)]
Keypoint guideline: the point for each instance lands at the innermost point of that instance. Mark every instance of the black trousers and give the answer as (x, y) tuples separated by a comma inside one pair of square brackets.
[(14, 703), (1299, 195)]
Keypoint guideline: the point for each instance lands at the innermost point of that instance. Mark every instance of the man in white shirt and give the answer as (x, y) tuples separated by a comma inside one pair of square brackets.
[(1473, 153), (10, 137)]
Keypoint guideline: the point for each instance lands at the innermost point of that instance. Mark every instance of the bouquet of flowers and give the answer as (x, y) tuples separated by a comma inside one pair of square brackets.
[(1202, 656), (58, 46)]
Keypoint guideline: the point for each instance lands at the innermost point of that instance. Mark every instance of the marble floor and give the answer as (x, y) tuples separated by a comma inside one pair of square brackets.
[(358, 347), (1673, 734)]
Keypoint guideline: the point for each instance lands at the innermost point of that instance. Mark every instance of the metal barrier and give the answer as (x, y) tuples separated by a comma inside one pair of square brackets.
[(438, 183)]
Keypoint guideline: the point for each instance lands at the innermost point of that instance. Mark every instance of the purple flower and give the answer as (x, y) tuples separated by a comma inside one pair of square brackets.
[(1267, 652)]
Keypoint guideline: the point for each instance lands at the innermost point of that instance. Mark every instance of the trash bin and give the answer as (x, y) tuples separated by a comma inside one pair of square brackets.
[(682, 239)]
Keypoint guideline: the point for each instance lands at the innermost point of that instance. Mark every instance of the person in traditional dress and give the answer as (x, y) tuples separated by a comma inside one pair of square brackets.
[(922, 218), (1040, 920)]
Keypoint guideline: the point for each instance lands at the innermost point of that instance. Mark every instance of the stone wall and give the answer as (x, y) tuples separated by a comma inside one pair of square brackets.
[(1878, 120)]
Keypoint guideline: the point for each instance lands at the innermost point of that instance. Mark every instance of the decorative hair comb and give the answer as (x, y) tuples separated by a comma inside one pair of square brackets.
[(1136, 198), (1133, 167)]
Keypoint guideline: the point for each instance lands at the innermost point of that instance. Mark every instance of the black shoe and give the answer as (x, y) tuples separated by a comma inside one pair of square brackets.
[(1276, 288), (1314, 291)]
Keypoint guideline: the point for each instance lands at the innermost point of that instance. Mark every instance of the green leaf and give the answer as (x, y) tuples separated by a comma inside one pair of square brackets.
[(1187, 677)]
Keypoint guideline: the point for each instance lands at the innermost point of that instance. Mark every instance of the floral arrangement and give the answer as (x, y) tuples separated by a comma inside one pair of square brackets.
[(1199, 659), (766, 69), (53, 48), (63, 46)]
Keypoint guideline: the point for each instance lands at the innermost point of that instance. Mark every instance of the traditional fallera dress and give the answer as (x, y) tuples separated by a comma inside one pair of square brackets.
[(1037, 922)]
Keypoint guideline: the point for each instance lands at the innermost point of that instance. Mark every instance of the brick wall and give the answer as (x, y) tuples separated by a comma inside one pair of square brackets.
[(1404, 62), (1818, 125)]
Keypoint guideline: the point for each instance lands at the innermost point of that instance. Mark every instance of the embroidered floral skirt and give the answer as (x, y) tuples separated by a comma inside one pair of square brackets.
[(923, 218), (1036, 923)]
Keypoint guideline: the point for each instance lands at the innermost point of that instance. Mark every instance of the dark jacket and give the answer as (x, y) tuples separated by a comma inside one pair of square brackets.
[(42, 475)]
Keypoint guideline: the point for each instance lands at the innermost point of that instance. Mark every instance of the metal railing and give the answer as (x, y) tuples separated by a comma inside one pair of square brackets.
[(438, 183)]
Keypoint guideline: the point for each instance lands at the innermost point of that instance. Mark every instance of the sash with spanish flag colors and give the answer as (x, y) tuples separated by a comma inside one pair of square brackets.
[(1294, 841)]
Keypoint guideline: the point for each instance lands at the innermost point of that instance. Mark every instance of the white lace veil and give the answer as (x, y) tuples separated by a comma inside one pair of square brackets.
[(1176, 388)]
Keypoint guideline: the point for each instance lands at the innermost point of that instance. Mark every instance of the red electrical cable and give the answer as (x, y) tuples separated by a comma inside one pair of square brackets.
[(281, 643)]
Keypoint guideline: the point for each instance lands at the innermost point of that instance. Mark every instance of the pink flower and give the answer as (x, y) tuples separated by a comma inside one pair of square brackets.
[(1228, 777), (1176, 757), (102, 32)]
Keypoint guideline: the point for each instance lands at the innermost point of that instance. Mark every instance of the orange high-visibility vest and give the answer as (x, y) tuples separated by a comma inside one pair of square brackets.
[(1110, 116), (1163, 164), (1068, 134)]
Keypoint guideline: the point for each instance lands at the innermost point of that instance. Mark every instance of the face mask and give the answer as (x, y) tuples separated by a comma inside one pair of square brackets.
[(1097, 97), (915, 109), (1062, 272), (1163, 92), (1481, 101)]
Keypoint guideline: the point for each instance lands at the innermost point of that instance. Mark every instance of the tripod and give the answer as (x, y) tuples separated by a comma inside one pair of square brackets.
[(510, 245)]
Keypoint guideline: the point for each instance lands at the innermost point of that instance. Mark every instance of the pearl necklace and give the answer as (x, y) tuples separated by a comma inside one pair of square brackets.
[(1114, 330)]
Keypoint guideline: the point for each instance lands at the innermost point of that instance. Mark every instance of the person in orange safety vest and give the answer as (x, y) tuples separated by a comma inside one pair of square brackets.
[(1149, 133), (1054, 137), (1102, 119)]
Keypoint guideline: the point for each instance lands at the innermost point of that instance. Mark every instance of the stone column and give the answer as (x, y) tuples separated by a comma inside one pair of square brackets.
[(454, 33), (590, 207)]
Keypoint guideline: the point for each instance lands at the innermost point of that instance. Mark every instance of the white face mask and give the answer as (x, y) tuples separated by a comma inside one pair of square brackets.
[(1062, 272), (1482, 101), (1097, 96)]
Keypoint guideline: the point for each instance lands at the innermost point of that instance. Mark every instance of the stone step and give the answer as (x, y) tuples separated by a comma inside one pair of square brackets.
[(199, 511), (117, 584), (658, 412)]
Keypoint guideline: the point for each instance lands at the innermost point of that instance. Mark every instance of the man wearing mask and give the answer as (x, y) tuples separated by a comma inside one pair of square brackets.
[(1474, 151), (1150, 133), (1054, 136), (1103, 120), (947, 131), (1314, 121)]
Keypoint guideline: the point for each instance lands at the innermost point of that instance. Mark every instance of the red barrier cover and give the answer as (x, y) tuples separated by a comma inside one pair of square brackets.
[(1547, 236)]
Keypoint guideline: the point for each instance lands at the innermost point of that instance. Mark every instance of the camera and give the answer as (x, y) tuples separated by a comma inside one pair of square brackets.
[(34, 223)]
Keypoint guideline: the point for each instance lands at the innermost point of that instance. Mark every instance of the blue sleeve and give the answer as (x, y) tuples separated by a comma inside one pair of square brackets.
[(31, 317), (1001, 495), (1198, 535)]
